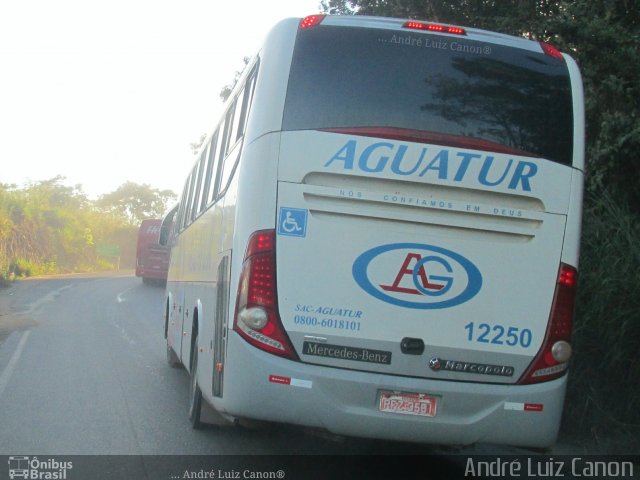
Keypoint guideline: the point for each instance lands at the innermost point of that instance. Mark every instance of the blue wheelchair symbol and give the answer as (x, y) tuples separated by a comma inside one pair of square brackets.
[(292, 222)]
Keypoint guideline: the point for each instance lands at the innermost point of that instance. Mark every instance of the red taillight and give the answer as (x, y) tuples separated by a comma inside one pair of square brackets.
[(551, 361), (311, 20), (257, 319), (434, 27), (568, 276), (261, 282), (552, 51)]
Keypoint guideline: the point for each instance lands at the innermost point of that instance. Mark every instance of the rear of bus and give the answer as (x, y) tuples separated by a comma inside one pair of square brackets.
[(152, 259), (425, 241)]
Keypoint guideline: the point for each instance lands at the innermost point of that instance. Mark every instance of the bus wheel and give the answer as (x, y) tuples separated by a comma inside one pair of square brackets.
[(195, 404)]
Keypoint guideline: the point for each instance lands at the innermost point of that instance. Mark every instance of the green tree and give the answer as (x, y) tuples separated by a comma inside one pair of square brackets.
[(47, 227), (44, 228), (135, 202), (508, 16), (605, 39), (338, 7)]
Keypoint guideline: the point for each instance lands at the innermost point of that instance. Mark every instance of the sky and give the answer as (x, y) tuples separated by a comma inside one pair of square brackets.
[(104, 92)]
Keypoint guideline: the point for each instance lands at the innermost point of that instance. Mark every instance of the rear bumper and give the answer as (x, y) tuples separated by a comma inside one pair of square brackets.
[(346, 402), (149, 273)]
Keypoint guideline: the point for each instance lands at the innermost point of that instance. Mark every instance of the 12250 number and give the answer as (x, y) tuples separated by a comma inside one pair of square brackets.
[(498, 334)]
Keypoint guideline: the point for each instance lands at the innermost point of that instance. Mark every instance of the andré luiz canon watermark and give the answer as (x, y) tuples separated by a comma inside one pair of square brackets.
[(38, 469), (228, 474), (549, 467)]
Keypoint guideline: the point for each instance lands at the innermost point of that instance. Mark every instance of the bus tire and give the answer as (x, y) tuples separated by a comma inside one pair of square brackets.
[(195, 394)]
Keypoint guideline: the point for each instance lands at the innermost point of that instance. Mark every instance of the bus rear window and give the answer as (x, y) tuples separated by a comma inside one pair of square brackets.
[(353, 78)]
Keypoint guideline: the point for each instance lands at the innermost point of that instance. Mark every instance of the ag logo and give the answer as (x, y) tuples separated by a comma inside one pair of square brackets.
[(415, 275)]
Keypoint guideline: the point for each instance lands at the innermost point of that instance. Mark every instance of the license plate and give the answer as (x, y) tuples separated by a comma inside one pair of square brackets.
[(408, 403)]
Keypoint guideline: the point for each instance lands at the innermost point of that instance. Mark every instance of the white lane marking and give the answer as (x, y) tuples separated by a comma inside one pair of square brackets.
[(49, 297), (8, 370), (120, 297)]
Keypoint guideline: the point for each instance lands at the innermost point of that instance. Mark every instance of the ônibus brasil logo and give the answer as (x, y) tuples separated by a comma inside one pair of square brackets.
[(415, 275)]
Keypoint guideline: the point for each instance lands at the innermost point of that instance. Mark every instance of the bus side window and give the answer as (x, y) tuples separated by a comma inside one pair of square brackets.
[(215, 175), (207, 195), (167, 229), (183, 198), (247, 96), (221, 150), (230, 125), (240, 110), (198, 184), (189, 198), (236, 130)]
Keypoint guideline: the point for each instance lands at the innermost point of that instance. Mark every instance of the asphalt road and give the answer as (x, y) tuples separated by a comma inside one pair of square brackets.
[(83, 372)]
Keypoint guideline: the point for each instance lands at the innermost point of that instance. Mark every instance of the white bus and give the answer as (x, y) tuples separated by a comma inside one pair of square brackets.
[(380, 238)]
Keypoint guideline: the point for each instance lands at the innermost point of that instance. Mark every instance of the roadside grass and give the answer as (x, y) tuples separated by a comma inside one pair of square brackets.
[(21, 268), (603, 397)]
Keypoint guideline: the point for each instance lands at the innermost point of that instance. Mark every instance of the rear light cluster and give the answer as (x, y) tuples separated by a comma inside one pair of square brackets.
[(552, 51), (551, 361), (257, 319), (435, 27), (311, 20)]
